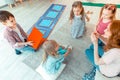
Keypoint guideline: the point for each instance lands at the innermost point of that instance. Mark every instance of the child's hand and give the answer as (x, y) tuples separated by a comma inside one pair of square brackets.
[(29, 43), (89, 12), (88, 19), (68, 51)]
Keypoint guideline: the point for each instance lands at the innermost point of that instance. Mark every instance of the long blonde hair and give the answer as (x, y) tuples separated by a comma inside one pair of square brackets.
[(111, 7), (49, 47), (114, 39), (74, 5)]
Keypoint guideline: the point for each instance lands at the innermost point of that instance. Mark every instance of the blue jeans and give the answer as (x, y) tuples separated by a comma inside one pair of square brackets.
[(26, 48), (90, 52)]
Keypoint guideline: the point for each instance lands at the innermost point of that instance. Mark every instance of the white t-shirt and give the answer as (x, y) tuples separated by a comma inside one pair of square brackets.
[(19, 34), (111, 67)]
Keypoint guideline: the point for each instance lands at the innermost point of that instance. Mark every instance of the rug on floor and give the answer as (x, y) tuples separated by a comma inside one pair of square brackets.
[(77, 64), (48, 20)]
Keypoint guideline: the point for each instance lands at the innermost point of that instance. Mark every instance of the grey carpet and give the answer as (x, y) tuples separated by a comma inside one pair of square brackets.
[(77, 64)]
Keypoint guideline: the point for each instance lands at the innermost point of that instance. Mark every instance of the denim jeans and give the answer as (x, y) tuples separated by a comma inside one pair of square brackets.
[(90, 52)]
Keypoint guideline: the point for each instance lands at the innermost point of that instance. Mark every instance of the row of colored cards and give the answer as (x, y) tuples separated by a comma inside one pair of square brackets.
[(45, 24)]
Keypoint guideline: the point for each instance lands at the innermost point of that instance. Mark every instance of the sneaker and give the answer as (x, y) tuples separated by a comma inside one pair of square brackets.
[(18, 52)]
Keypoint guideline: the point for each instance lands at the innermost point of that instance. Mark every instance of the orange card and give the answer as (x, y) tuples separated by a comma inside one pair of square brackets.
[(37, 37)]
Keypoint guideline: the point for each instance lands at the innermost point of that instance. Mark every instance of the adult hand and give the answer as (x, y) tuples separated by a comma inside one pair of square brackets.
[(94, 38), (97, 34)]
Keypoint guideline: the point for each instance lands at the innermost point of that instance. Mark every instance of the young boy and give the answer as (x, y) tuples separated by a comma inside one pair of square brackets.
[(14, 34)]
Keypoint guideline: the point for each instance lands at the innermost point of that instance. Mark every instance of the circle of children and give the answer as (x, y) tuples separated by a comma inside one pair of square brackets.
[(103, 53)]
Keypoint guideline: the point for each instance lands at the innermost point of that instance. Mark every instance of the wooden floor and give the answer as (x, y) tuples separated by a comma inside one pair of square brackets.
[(11, 65)]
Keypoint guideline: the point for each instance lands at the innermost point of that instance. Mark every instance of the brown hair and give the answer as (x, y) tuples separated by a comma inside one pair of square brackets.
[(49, 47), (74, 5), (111, 7), (4, 15), (114, 39)]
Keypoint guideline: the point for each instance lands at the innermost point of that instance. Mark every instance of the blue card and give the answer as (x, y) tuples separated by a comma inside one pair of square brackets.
[(57, 7), (45, 23), (52, 14)]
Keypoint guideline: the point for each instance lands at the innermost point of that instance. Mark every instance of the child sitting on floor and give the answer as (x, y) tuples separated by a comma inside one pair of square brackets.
[(77, 19), (54, 55), (14, 33)]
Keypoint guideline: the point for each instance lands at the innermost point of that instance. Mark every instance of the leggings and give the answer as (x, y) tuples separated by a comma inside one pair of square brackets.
[(90, 52)]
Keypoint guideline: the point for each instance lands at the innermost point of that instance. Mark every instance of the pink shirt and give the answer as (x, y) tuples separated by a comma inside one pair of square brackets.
[(102, 26)]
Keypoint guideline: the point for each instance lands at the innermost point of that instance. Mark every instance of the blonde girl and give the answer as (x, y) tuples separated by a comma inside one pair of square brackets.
[(54, 55)]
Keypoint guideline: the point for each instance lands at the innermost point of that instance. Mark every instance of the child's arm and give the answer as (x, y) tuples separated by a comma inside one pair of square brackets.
[(88, 19), (86, 15), (88, 12), (68, 51)]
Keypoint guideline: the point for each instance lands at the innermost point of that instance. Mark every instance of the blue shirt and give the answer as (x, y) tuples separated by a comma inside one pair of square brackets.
[(53, 63)]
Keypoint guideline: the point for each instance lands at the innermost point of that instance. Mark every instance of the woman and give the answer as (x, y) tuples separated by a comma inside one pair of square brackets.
[(109, 63)]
